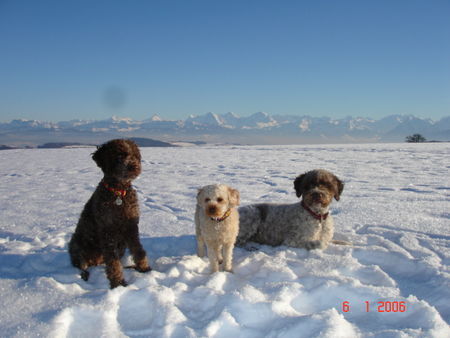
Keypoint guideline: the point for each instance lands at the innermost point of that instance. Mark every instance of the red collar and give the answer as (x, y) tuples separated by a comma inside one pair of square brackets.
[(117, 192), (314, 214)]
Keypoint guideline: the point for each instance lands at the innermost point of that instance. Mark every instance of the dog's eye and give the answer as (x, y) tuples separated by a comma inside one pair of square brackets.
[(207, 200), (220, 199), (326, 185)]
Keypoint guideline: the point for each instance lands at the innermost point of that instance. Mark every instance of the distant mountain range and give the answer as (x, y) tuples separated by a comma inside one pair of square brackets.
[(259, 128)]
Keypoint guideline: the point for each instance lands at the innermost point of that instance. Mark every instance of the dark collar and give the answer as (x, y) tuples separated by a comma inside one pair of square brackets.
[(223, 218), (314, 214)]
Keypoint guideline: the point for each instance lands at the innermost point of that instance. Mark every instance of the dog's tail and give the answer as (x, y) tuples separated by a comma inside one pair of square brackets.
[(334, 241)]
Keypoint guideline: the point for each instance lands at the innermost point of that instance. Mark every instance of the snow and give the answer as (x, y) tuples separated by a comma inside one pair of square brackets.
[(394, 208)]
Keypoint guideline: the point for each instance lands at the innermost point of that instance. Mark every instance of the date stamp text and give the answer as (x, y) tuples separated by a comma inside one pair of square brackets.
[(382, 306)]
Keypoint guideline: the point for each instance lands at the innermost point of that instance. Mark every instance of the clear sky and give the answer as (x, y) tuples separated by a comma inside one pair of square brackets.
[(62, 60)]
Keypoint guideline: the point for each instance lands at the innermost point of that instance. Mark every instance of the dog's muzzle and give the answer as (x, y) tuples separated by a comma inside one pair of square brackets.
[(223, 218)]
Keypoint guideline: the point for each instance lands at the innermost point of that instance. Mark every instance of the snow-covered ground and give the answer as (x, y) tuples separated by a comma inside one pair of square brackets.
[(394, 208)]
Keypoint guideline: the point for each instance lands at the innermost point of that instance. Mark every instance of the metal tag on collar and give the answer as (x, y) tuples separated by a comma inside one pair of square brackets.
[(118, 201)]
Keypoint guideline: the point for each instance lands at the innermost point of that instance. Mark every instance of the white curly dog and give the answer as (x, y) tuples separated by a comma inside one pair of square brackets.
[(217, 224)]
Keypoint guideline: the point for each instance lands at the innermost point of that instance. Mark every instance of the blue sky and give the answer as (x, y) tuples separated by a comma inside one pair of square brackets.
[(62, 60)]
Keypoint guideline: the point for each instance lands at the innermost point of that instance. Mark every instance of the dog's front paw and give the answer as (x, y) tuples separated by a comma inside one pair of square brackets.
[(142, 265), (143, 268), (115, 283), (311, 245), (228, 268)]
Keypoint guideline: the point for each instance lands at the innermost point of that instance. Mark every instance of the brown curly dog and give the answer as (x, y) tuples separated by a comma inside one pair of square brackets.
[(109, 221)]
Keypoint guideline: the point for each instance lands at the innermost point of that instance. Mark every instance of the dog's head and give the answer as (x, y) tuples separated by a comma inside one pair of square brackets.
[(217, 199), (318, 187), (119, 158)]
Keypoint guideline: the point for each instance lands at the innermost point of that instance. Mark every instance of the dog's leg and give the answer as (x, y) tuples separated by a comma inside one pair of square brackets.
[(136, 249), (200, 246), (139, 255), (113, 266), (220, 254), (213, 253), (84, 272), (114, 273), (141, 261), (77, 260), (198, 234), (228, 257)]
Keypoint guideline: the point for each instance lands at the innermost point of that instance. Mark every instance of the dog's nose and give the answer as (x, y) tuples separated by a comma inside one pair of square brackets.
[(316, 195), (212, 209)]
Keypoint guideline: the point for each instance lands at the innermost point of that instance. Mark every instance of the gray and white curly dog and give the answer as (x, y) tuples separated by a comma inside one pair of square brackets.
[(305, 224)]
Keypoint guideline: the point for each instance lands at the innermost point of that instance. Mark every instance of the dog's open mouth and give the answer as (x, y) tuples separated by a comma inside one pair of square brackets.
[(213, 215), (220, 218)]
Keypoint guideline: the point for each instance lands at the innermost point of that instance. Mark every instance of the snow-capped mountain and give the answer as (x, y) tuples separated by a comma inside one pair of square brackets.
[(259, 121), (202, 121), (256, 128), (22, 124)]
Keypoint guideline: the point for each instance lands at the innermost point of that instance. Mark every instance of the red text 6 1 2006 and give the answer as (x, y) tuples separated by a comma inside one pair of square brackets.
[(382, 306)]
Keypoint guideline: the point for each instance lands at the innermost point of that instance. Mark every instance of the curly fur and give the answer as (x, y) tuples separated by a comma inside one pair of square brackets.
[(292, 224), (214, 232), (106, 229)]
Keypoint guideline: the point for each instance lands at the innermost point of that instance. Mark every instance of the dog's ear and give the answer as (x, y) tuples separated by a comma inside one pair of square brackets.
[(199, 191), (339, 187), (135, 148), (99, 156), (234, 197), (298, 184)]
